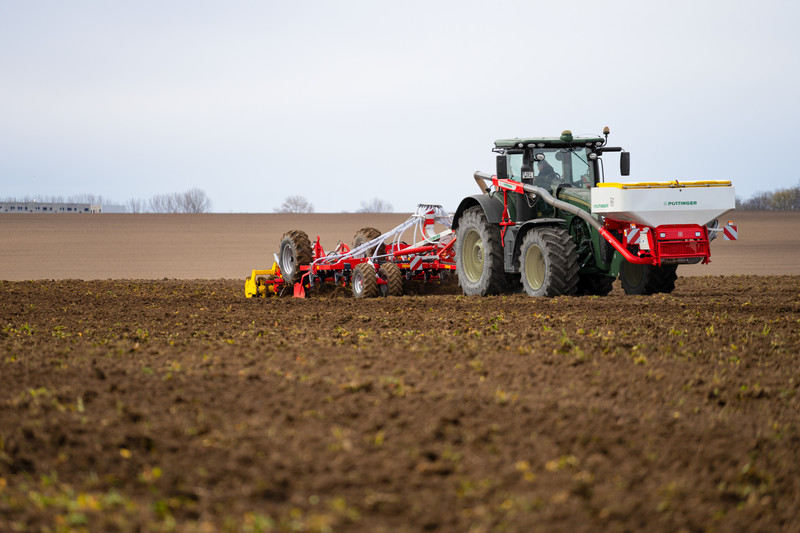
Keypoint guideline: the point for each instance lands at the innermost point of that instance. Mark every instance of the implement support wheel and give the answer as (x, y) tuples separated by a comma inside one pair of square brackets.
[(365, 235), (295, 251), (364, 281), (390, 273)]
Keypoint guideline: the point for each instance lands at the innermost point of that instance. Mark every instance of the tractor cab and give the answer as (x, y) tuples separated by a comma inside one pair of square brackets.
[(568, 160), (566, 166)]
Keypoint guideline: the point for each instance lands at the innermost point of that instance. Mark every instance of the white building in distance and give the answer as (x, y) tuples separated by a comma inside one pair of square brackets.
[(58, 207)]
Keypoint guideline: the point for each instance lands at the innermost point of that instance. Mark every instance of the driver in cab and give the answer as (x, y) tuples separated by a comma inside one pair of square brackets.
[(547, 176)]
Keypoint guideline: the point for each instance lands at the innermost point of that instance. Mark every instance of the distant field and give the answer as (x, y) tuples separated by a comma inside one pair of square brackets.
[(214, 246)]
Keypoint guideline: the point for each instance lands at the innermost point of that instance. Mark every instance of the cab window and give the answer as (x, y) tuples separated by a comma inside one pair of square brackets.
[(581, 172), (514, 166)]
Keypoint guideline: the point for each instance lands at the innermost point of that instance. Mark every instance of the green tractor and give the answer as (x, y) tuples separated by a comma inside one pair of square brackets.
[(548, 222)]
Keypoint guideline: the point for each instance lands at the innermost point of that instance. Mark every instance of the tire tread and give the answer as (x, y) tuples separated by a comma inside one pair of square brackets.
[(301, 248), (496, 281)]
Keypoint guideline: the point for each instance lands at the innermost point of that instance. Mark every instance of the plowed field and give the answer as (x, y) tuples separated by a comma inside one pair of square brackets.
[(181, 405)]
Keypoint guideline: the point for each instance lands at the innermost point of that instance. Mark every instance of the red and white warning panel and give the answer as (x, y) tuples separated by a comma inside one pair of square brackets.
[(632, 235), (730, 232)]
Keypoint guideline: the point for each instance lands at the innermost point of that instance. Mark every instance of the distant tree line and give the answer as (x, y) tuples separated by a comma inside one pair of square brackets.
[(298, 204), (779, 200), (192, 201)]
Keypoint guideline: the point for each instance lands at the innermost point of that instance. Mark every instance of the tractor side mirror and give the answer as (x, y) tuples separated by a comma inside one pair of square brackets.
[(502, 167), (625, 163)]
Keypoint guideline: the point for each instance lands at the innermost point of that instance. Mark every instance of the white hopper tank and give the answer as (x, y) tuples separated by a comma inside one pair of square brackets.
[(658, 203)]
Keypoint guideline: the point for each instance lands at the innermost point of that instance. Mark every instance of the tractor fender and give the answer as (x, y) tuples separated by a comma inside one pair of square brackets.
[(492, 208)]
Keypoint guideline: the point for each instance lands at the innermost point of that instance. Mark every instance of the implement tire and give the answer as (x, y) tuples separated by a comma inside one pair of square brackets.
[(365, 235), (548, 262), (647, 279), (390, 273), (295, 251), (364, 281), (479, 255)]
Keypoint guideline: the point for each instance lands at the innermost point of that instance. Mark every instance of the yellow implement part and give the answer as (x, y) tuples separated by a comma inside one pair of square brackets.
[(665, 184), (255, 285)]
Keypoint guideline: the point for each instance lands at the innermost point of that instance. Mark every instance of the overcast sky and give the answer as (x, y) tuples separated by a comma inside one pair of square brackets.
[(345, 101)]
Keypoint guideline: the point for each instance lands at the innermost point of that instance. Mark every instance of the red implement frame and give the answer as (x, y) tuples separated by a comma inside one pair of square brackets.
[(428, 260)]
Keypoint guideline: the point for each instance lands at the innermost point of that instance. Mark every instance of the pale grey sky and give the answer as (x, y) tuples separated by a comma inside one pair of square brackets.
[(345, 101)]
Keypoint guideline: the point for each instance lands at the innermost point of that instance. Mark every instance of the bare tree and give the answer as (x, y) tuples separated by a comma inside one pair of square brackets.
[(163, 203), (376, 205), (786, 199), (37, 198), (759, 202), (135, 205), (295, 204), (87, 198), (780, 200), (194, 201)]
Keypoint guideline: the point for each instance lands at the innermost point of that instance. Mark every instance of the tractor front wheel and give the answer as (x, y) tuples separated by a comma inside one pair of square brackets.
[(647, 279), (548, 262), (364, 281), (295, 251), (479, 255)]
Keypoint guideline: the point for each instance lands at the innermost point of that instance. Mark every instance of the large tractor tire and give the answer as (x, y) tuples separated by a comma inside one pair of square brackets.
[(364, 281), (479, 255), (647, 279), (365, 235), (595, 285), (295, 251), (548, 262), (390, 273)]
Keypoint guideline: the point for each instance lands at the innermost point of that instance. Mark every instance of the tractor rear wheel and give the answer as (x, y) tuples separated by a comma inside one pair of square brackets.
[(390, 273), (364, 281), (365, 235), (479, 255), (595, 284), (548, 262), (295, 251), (647, 279)]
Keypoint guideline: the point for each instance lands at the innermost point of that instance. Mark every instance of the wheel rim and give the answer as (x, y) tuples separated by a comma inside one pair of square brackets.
[(534, 267), (633, 273), (473, 256), (287, 260), (358, 284)]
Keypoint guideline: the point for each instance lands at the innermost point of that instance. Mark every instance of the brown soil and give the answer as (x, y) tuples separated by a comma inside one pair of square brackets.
[(161, 405), (229, 246)]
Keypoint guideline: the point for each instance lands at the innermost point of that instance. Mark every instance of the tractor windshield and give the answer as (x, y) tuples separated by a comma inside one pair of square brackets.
[(571, 165)]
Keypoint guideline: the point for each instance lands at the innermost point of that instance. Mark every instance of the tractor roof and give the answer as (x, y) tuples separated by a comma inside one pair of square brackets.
[(565, 140)]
